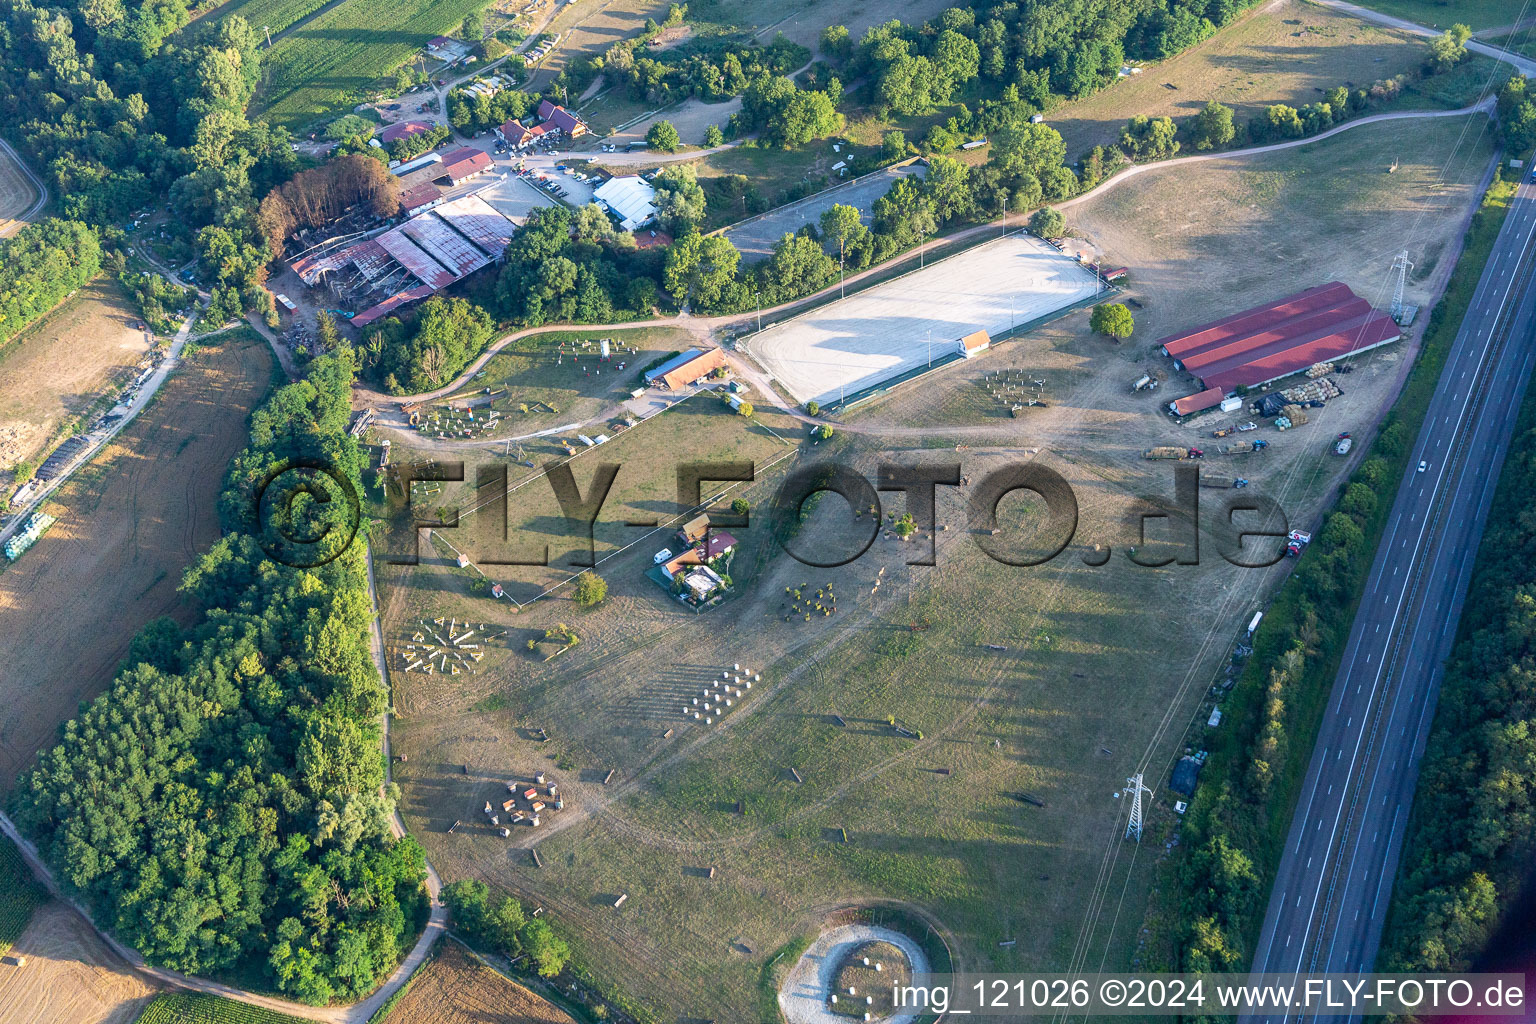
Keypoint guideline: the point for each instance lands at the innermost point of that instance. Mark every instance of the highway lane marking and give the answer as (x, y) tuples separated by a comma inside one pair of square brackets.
[(1418, 544), (1453, 502), (1483, 286)]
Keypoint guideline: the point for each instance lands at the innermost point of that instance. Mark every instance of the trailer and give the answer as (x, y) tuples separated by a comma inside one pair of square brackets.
[(1222, 482), (1166, 452), (1244, 447)]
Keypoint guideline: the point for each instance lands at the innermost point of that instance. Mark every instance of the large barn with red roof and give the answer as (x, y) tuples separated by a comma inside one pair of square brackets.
[(1263, 344)]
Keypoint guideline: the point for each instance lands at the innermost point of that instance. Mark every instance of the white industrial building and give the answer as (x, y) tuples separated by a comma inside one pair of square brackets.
[(631, 199)]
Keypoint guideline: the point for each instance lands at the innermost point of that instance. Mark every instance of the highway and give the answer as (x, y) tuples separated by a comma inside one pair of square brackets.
[(1334, 882)]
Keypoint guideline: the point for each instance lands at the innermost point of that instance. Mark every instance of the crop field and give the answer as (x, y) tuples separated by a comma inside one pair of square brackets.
[(65, 363), (547, 380), (192, 1008), (860, 342), (20, 894), (455, 988), (274, 14), (1284, 53), (71, 976), (331, 61), (17, 194), (805, 797), (128, 524)]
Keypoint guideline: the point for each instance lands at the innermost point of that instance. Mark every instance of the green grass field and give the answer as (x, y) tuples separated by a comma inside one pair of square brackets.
[(19, 894), (1479, 14), (333, 61), (185, 1008)]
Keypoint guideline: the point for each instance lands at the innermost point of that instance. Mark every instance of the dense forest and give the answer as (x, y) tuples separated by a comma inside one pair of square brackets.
[(120, 108), (1471, 841), (41, 265), (220, 807)]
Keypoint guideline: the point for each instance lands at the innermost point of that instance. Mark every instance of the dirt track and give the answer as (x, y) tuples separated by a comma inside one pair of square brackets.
[(21, 196), (129, 524)]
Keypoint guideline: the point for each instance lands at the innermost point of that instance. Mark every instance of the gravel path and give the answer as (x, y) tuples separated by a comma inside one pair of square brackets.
[(803, 996)]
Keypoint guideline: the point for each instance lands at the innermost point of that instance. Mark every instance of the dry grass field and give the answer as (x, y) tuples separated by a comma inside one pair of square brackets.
[(1287, 52), (1097, 669), (456, 988), (62, 365), (555, 371), (589, 29), (17, 194), (71, 976), (128, 524), (594, 30)]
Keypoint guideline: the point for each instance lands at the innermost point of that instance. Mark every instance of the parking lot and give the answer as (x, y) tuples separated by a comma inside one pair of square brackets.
[(516, 197), (755, 238)]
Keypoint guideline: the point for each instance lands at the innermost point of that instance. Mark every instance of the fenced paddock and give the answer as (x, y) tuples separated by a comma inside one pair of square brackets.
[(898, 327)]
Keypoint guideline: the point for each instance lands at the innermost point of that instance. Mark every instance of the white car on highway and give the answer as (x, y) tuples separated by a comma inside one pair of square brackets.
[(1423, 466)]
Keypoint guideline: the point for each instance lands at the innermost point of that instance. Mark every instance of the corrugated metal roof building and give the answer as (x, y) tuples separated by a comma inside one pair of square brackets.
[(445, 245), (685, 368), (1210, 398), (410, 256), (1268, 342), (480, 222), (420, 197), (631, 198)]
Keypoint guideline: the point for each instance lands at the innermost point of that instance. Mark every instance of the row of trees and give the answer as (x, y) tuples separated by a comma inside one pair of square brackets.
[(1272, 714), (42, 265), (1026, 168), (1043, 51), (503, 925), (1289, 670), (712, 68), (222, 804), (471, 112), (321, 194), (1517, 114)]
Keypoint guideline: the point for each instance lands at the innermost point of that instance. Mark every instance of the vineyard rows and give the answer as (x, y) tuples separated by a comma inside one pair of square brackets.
[(19, 894), (332, 62), (187, 1008), (274, 14)]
